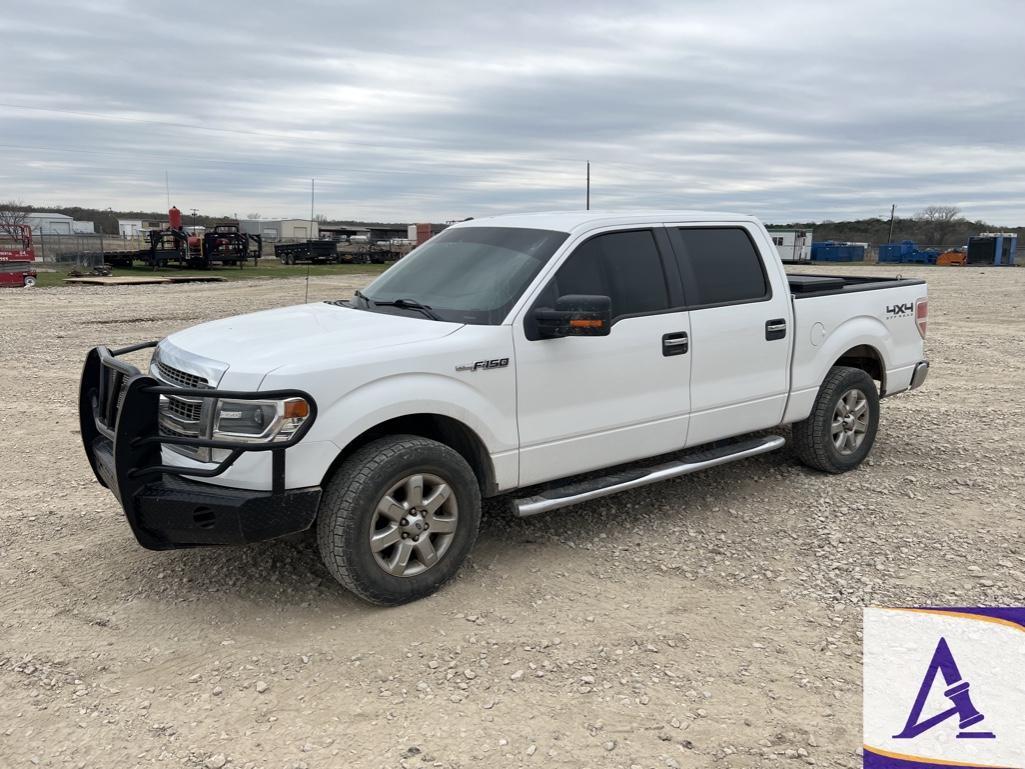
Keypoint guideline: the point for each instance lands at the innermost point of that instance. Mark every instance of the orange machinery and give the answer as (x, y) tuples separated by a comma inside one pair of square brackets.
[(952, 258)]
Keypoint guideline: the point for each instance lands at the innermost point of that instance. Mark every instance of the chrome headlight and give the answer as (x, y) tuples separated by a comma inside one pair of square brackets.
[(259, 421)]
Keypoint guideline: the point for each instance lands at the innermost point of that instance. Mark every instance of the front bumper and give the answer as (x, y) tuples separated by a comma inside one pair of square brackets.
[(118, 407)]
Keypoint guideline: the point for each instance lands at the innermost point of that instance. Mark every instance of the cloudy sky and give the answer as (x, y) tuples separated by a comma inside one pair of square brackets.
[(418, 110)]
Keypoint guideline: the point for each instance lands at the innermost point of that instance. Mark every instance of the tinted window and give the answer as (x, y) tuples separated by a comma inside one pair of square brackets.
[(719, 265), (624, 266), (466, 274)]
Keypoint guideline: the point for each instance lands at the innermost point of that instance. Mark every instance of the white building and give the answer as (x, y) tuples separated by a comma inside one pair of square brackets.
[(792, 245), (134, 228), (280, 229), (49, 223)]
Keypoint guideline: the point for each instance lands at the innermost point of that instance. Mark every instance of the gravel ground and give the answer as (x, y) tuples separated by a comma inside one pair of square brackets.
[(709, 621)]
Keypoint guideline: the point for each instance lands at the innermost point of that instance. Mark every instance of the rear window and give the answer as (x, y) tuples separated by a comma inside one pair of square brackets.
[(719, 266)]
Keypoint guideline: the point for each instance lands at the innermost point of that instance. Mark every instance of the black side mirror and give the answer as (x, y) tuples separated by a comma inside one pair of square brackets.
[(575, 315)]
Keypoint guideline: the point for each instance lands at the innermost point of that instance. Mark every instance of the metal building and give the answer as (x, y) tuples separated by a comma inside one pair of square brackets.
[(50, 223), (280, 229), (135, 228)]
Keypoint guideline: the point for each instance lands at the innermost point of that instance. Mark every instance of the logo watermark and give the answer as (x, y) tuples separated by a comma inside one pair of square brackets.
[(944, 687)]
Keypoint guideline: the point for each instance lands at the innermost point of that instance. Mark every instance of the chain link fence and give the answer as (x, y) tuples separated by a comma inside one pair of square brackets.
[(84, 251)]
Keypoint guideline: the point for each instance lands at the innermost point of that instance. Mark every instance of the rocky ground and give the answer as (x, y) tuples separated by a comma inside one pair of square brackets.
[(709, 621)]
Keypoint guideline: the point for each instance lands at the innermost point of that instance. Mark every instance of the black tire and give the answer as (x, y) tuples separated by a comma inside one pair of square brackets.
[(814, 438), (347, 513)]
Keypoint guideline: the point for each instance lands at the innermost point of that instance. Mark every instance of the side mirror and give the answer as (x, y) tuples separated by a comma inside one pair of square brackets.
[(575, 315)]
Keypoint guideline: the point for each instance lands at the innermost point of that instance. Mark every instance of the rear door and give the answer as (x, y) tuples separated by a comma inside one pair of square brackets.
[(740, 316), (590, 402)]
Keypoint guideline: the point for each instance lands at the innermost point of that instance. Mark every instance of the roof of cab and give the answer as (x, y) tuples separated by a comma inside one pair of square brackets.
[(570, 221)]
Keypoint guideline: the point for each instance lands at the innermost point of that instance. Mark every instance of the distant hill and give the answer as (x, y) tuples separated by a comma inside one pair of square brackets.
[(876, 230)]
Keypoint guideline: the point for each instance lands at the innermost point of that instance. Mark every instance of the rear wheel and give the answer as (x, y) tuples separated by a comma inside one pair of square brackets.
[(398, 518), (842, 427), (30, 281)]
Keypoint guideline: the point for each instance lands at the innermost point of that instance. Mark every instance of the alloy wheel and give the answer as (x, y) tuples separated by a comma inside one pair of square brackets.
[(850, 421), (414, 524)]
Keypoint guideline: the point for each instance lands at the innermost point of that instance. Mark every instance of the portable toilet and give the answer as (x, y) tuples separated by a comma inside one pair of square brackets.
[(992, 248)]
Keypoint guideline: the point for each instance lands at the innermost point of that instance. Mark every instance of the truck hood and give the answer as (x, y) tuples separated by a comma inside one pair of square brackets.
[(260, 342)]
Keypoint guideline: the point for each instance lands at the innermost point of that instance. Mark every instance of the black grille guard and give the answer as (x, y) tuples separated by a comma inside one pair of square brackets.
[(118, 410)]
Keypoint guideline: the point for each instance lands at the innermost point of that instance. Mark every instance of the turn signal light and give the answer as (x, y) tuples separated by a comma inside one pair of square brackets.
[(922, 315), (296, 408), (596, 323)]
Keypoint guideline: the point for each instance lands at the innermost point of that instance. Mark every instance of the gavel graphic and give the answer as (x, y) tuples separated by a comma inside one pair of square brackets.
[(957, 692), (958, 695)]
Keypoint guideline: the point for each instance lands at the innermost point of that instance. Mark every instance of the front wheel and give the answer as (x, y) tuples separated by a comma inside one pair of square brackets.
[(29, 281), (398, 518), (842, 427)]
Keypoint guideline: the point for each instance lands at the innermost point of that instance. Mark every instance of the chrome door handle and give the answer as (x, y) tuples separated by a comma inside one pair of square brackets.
[(775, 329), (675, 343)]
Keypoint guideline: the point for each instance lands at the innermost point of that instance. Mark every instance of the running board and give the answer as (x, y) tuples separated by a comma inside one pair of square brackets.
[(594, 488)]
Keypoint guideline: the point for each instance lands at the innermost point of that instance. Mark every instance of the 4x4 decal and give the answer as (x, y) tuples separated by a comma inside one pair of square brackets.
[(900, 310)]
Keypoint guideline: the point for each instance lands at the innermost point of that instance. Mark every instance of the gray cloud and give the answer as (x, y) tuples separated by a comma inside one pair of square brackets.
[(422, 110)]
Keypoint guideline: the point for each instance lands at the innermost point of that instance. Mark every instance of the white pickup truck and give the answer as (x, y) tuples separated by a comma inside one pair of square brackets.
[(536, 356)]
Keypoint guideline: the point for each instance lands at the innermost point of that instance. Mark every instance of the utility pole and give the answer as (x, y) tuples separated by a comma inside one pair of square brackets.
[(588, 199), (194, 212), (893, 210), (313, 187)]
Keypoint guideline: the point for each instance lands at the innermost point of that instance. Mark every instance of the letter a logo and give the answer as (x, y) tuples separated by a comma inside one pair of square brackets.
[(956, 691)]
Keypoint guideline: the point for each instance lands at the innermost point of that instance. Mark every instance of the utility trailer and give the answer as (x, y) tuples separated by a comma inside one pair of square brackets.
[(166, 247), (312, 251), (361, 252), (226, 244)]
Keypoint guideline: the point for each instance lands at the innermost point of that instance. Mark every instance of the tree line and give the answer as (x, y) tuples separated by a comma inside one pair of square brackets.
[(932, 226)]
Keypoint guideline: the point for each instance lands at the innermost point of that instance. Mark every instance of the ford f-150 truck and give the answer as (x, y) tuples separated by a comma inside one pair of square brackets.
[(553, 358)]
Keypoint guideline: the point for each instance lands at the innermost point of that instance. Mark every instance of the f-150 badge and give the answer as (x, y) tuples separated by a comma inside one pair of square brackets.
[(484, 364)]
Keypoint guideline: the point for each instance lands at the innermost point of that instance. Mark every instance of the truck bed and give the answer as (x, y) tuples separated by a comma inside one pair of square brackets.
[(803, 286), (854, 312)]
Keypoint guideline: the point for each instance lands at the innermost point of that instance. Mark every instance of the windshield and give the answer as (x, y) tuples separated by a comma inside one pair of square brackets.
[(465, 274)]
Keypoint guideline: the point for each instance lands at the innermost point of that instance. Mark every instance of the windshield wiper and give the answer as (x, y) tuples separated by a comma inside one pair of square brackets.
[(402, 304)]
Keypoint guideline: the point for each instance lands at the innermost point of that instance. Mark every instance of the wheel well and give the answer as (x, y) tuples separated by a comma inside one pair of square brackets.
[(868, 359), (447, 430)]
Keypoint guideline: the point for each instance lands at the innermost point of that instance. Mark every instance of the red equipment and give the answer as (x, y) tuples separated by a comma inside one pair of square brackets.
[(17, 274), (21, 250), (16, 256), (174, 218)]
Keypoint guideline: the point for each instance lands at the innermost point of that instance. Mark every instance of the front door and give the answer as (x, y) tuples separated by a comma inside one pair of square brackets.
[(591, 402)]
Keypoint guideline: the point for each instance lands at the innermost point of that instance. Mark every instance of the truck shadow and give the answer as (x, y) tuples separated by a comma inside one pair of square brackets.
[(289, 574)]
